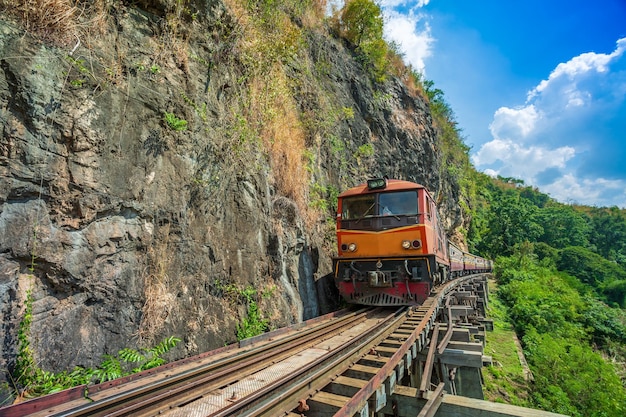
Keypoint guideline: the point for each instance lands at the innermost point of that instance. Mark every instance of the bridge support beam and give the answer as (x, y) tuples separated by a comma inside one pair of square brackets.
[(405, 403)]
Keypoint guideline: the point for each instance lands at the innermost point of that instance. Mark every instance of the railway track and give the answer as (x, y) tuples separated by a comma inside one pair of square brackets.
[(341, 364)]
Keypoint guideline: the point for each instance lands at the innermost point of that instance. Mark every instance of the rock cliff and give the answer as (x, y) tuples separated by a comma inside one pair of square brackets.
[(161, 161)]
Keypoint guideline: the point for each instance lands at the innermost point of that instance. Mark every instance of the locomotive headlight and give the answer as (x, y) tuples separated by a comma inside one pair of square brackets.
[(352, 247), (406, 244), (416, 243)]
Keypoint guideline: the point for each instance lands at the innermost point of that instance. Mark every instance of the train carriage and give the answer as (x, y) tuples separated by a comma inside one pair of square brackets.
[(456, 260), (392, 248), (469, 262)]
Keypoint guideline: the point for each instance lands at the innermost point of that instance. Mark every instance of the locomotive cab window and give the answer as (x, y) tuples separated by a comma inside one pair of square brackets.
[(358, 207), (401, 203)]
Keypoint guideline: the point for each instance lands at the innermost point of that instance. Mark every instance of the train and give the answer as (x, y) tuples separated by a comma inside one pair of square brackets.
[(392, 249)]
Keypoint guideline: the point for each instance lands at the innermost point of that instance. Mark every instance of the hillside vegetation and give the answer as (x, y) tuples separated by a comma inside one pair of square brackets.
[(561, 278)]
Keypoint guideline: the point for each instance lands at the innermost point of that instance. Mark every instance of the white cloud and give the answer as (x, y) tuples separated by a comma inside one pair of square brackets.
[(519, 162), (415, 42), (592, 192), (558, 121), (514, 123), (409, 29), (578, 67)]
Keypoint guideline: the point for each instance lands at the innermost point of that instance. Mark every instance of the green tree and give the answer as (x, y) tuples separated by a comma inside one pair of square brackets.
[(537, 198), (362, 25), (362, 21), (606, 324), (563, 226), (546, 254), (608, 233), (566, 373), (541, 301), (513, 220), (589, 267), (557, 325), (615, 292)]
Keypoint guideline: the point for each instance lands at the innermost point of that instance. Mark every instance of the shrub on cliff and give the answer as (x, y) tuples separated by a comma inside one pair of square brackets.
[(361, 23)]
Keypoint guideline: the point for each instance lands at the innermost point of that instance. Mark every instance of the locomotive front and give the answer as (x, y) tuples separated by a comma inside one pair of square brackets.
[(391, 248)]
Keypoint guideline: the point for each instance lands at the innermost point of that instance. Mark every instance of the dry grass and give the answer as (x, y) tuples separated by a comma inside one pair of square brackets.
[(159, 299), (406, 73), (273, 113), (58, 21), (283, 137), (313, 16), (50, 19)]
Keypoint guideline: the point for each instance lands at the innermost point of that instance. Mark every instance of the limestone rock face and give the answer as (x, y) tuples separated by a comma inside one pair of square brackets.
[(128, 227)]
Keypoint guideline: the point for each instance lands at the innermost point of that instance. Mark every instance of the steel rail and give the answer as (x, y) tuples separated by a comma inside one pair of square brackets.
[(433, 304), (283, 395), (217, 372), (209, 377)]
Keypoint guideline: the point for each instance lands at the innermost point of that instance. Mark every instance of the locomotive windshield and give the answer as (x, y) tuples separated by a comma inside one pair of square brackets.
[(398, 203)]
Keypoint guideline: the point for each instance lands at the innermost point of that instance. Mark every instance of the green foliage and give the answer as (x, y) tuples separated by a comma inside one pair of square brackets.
[(544, 303), (558, 324), (362, 21), (589, 267), (253, 324), (348, 113), (336, 144), (567, 375), (562, 226), (324, 198), (175, 123), (375, 53), (615, 293), (129, 361), (109, 369), (513, 220), (362, 25), (606, 324), (364, 151), (608, 233), (546, 254)]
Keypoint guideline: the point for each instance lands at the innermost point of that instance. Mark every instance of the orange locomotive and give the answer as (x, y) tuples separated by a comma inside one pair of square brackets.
[(391, 246)]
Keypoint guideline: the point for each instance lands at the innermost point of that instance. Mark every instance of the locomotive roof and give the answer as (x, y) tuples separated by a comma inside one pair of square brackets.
[(392, 185)]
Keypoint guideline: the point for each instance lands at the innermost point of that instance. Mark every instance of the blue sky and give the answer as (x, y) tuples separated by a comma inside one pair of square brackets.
[(538, 87)]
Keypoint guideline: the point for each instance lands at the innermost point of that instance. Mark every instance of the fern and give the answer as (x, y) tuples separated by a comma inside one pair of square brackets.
[(109, 369), (131, 355), (164, 347)]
